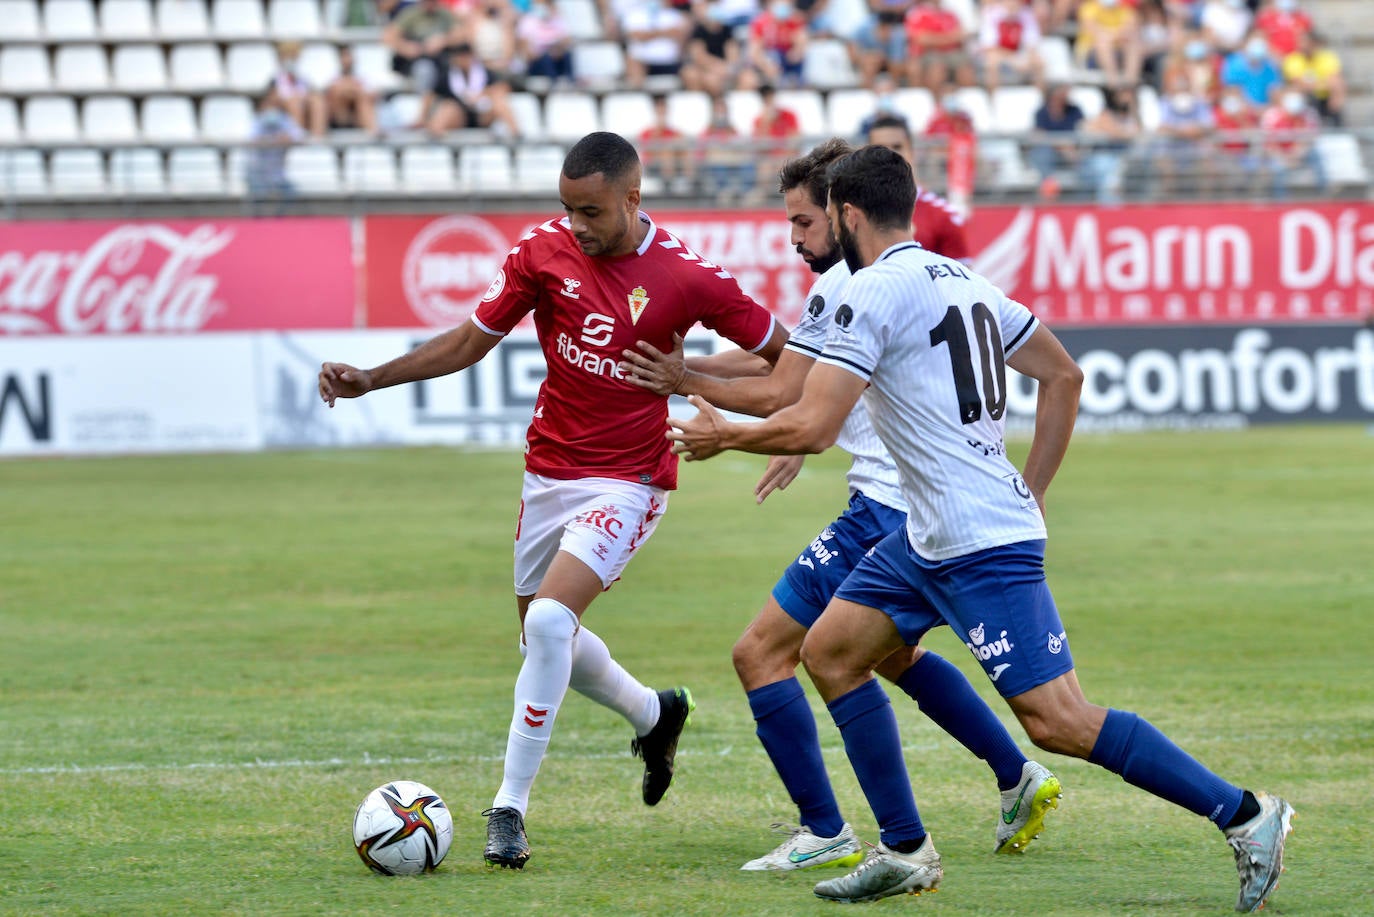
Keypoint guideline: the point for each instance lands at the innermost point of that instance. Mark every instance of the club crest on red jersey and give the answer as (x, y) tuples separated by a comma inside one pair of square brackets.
[(639, 301)]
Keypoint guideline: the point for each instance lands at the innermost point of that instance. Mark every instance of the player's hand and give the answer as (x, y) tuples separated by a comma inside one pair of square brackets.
[(659, 372), (782, 470), (339, 380), (698, 438)]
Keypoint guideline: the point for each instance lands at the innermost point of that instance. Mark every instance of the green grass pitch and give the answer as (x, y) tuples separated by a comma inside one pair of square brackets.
[(206, 662)]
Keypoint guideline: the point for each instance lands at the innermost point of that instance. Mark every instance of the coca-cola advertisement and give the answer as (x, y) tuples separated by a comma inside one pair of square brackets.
[(1129, 265), (175, 277)]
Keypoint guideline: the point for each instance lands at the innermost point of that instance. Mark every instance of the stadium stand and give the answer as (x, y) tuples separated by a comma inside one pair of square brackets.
[(110, 100)]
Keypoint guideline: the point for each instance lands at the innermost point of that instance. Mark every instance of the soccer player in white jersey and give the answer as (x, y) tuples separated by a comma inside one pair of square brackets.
[(927, 343), (597, 467), (767, 654)]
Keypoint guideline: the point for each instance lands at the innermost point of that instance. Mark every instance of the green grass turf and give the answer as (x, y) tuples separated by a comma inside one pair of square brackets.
[(206, 662)]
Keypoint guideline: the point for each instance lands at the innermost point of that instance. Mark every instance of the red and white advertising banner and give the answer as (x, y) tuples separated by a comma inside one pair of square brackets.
[(175, 277), (1130, 265)]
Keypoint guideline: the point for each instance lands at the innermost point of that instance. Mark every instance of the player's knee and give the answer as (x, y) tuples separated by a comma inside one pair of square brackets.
[(549, 619)]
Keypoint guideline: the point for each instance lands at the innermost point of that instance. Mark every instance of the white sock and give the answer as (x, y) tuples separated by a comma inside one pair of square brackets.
[(598, 677), (539, 690)]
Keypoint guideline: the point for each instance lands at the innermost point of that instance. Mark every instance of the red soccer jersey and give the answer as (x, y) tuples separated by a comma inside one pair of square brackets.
[(588, 421), (1283, 29), (938, 226), (776, 34), (934, 21)]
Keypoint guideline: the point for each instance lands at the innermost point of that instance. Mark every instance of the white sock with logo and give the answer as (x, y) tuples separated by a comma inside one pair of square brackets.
[(595, 675), (539, 690)]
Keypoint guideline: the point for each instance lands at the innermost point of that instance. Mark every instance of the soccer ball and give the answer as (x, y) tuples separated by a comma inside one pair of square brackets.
[(402, 828)]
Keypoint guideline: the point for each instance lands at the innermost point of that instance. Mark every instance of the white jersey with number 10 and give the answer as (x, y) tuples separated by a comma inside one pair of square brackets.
[(932, 338)]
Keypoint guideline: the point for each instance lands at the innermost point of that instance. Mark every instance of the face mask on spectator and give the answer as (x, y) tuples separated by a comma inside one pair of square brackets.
[(1181, 102), (780, 10), (1286, 6), (1293, 103), (1256, 49), (1196, 50), (1232, 105), (1108, 3)]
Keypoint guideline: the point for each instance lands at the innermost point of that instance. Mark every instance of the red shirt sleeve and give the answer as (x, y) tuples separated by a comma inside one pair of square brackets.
[(514, 291)]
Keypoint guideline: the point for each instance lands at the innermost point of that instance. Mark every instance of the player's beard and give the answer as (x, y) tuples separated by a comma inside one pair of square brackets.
[(850, 248), (820, 263)]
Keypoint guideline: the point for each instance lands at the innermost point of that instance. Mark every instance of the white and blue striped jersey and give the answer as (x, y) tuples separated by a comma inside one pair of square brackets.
[(932, 337), (872, 471)]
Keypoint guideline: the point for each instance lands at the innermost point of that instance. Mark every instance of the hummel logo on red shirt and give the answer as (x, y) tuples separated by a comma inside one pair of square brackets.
[(570, 288)]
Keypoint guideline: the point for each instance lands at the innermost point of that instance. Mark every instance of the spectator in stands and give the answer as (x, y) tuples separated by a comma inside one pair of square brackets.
[(1109, 40), (1110, 136), (467, 97), (388, 10), (1225, 24), (1236, 122), (714, 60), (663, 152), (1253, 70), (880, 43), (349, 103), (1194, 60), (1008, 43), (492, 30), (884, 102), (544, 42), (655, 36), (1283, 24), (937, 47), (776, 48), (1056, 118), (776, 134), (272, 132), (1290, 127), (1157, 40), (726, 163), (937, 225), (1181, 145), (301, 101), (417, 38), (1316, 69)]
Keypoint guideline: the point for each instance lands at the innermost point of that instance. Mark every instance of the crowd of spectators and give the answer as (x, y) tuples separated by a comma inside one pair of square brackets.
[(1242, 85)]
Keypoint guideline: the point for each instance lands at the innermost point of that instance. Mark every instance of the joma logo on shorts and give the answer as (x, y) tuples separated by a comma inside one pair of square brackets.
[(822, 554)]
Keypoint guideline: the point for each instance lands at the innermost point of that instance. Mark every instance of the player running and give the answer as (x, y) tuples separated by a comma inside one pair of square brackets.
[(930, 342), (597, 467), (767, 654)]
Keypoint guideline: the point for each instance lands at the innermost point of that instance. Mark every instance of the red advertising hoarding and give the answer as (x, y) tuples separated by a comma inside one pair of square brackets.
[(175, 276), (1130, 265)]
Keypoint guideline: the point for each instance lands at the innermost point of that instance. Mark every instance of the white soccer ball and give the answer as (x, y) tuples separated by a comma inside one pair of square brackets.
[(402, 828)]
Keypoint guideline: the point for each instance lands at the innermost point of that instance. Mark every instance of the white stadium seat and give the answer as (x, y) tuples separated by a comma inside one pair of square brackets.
[(689, 112), (24, 68), (169, 119), (582, 18), (370, 169), (570, 115), (312, 169), (401, 111), (69, 19), (77, 172), (9, 120), (195, 170), (372, 63), (485, 167), (744, 107), (249, 65), (1057, 58), (182, 19), (293, 18), (978, 106), (1002, 155), (123, 19), (601, 63), (916, 105), (809, 108), (1013, 109), (529, 114), (22, 174), (827, 65), (139, 68), (319, 63), (109, 119), (81, 67), (846, 110), (626, 113), (137, 171), (1147, 106), (238, 19), (1088, 99), (226, 118), (50, 119), (537, 167), (1341, 158), (19, 20), (196, 67), (427, 167)]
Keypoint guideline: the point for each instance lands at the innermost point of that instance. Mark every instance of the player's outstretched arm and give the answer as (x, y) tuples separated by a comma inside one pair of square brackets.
[(809, 426), (1046, 361), (781, 471), (447, 353), (756, 395)]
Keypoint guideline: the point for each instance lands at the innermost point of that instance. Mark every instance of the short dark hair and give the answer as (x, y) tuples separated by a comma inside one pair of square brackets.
[(809, 171), (877, 181), (601, 151), (896, 121)]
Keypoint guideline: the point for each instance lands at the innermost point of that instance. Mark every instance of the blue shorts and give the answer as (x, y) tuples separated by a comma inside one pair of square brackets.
[(807, 584), (996, 600)]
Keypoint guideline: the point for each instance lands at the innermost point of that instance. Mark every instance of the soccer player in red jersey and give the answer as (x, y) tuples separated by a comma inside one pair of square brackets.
[(939, 227), (598, 467)]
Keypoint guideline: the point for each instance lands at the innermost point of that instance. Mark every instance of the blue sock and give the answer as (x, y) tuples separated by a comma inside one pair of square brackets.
[(869, 729), (786, 727), (1145, 757), (945, 695)]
